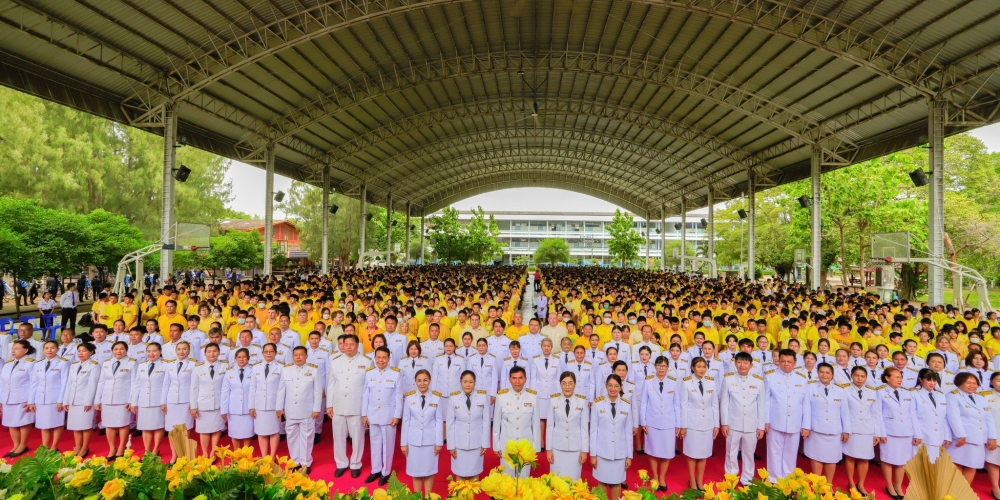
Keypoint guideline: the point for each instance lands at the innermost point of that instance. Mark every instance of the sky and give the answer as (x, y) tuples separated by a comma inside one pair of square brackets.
[(248, 190)]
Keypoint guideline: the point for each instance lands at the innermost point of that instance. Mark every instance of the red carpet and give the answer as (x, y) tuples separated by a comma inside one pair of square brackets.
[(323, 465)]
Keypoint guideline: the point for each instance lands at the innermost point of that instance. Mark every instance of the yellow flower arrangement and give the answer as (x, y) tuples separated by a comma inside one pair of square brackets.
[(464, 489), (113, 489), (81, 478)]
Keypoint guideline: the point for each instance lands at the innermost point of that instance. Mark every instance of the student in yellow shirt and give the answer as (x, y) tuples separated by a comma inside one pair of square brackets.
[(516, 328), (603, 330), (112, 310), (170, 316), (130, 312), (304, 326), (148, 307)]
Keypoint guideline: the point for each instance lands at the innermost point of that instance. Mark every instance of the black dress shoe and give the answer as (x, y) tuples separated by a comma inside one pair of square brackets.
[(316, 439), (8, 454), (662, 489), (22, 452), (102, 432), (372, 477), (355, 473), (641, 452), (384, 480), (624, 486), (339, 472), (874, 462), (309, 470), (282, 438)]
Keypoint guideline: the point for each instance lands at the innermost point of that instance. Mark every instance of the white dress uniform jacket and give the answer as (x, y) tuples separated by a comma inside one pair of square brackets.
[(147, 388), (516, 416), (742, 405), (568, 432), (177, 383), (115, 386), (263, 392), (47, 385), (300, 391), (206, 388), (469, 428), (346, 383), (699, 408), (235, 392)]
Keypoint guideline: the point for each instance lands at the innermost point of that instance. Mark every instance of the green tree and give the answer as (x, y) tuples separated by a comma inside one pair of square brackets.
[(304, 205), (552, 251), (237, 250), (114, 238), (448, 236), (481, 237), (625, 240)]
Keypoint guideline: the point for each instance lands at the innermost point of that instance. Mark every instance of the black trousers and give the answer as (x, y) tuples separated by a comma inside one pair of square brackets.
[(69, 317)]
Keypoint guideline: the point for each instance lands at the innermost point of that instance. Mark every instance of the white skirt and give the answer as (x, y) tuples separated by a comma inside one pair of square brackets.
[(421, 461), (698, 444), (896, 450), (610, 471), (178, 414), (209, 422), (543, 408), (933, 452), (14, 415), (47, 417), (266, 423), (968, 455), (566, 464), (79, 420), (150, 418), (661, 443), (240, 426), (469, 463), (115, 416), (860, 446), (823, 448)]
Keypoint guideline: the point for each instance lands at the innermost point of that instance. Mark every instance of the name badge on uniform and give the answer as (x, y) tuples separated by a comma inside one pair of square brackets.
[(433, 405), (309, 374), (527, 405), (361, 367)]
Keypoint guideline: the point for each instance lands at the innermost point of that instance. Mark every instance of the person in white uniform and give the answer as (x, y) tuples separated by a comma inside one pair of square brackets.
[(206, 399), (446, 372), (831, 423), (611, 428), (147, 398), (544, 381), (78, 398), (516, 416), (410, 364), (932, 413), (584, 371), (381, 411), (787, 417), (421, 435), (344, 387), (48, 381), (865, 412), (568, 434), (484, 365), (15, 384), (742, 408), (992, 398), (300, 401), (659, 409), (699, 419), (468, 427), (236, 402), (899, 417), (113, 393), (176, 399), (971, 425), (263, 401)]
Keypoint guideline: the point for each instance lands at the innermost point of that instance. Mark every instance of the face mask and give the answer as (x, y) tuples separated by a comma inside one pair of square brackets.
[(607, 321), (707, 323), (632, 321), (149, 304), (985, 329), (326, 316), (951, 315), (878, 332), (216, 314), (606, 306), (974, 340), (241, 320)]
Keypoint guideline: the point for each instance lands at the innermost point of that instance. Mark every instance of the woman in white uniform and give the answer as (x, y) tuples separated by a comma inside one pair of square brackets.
[(865, 412), (15, 384), (410, 365), (699, 420), (971, 424), (993, 456), (48, 380), (567, 439), (831, 423), (468, 428), (932, 413), (206, 399), (421, 437), (264, 400), (611, 427), (659, 417), (236, 400), (147, 398), (977, 364), (176, 398), (69, 344), (899, 416), (78, 398), (113, 393)]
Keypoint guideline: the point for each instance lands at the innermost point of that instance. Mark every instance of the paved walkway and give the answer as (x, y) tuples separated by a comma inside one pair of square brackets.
[(528, 299)]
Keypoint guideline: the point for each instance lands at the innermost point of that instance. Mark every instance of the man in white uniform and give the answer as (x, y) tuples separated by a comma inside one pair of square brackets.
[(787, 416), (300, 400), (344, 385), (742, 413), (516, 416)]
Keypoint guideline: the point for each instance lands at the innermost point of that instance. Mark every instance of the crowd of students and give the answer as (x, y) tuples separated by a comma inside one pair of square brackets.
[(439, 359)]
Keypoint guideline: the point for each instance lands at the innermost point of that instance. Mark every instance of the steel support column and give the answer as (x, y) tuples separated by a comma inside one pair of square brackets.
[(815, 248), (388, 229), (752, 213), (935, 234), (268, 206), (684, 234), (167, 209), (325, 245), (362, 223), (421, 238), (647, 240), (663, 237), (710, 228), (406, 251)]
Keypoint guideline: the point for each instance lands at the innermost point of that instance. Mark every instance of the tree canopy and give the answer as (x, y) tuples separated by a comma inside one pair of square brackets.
[(552, 251), (625, 240)]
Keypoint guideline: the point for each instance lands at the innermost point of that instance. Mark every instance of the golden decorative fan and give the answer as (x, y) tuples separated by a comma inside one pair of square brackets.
[(183, 445), (934, 481)]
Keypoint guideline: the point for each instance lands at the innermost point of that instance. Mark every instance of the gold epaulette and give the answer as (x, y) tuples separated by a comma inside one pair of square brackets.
[(554, 396), (801, 374), (394, 368), (370, 368), (531, 391), (436, 393), (456, 393), (955, 392), (502, 391), (758, 377), (672, 378), (730, 373), (480, 391), (650, 377), (505, 359), (984, 393), (626, 401), (408, 394), (199, 364), (687, 378), (842, 386), (581, 396), (536, 356), (708, 378), (812, 381), (598, 400), (587, 363), (769, 371), (310, 365), (879, 388)]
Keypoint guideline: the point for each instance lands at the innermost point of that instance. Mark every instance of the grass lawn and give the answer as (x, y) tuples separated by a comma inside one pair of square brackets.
[(972, 299)]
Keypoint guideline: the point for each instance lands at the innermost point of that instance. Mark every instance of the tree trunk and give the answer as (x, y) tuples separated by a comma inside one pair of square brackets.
[(843, 254)]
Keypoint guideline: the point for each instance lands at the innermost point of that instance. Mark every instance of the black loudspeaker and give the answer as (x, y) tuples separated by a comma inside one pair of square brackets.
[(919, 177), (742, 213)]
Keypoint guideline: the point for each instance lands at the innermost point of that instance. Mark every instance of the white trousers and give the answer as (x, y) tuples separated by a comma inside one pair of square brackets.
[(319, 419), (745, 443), (300, 440), (343, 426), (383, 445), (782, 451)]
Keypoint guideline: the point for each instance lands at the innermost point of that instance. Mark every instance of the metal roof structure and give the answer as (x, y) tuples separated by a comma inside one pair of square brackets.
[(635, 102)]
